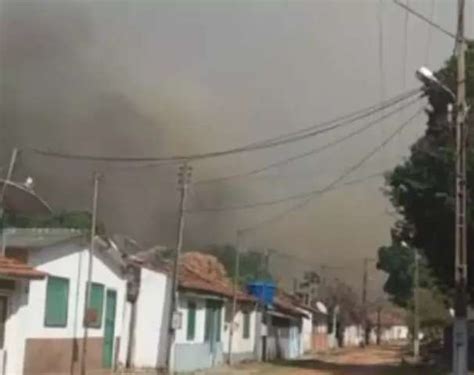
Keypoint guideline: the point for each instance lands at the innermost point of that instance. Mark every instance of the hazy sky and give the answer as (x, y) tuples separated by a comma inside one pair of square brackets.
[(156, 78)]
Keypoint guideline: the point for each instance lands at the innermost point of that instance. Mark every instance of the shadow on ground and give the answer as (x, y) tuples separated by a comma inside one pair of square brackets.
[(356, 369)]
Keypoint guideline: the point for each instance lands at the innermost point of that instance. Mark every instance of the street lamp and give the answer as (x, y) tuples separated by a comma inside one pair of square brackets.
[(460, 328), (426, 76), (416, 314)]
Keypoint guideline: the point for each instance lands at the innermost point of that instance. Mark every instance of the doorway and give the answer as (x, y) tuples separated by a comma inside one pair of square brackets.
[(109, 329)]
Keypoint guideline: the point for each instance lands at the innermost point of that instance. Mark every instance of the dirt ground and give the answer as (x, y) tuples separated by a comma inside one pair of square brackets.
[(368, 361)]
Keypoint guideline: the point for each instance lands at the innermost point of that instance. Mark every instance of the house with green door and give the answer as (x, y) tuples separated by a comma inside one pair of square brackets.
[(53, 329), (205, 307)]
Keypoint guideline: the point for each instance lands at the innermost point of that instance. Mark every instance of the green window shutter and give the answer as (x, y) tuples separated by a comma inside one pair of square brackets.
[(97, 304), (218, 320), (57, 297), (246, 330), (208, 324), (191, 328)]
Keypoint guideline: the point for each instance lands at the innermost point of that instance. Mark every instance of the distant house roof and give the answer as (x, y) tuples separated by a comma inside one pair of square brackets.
[(204, 273), (19, 199), (388, 317), (289, 304), (15, 269)]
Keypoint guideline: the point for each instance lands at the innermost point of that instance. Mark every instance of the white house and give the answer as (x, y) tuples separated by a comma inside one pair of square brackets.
[(45, 327), (202, 340), (244, 335), (145, 324)]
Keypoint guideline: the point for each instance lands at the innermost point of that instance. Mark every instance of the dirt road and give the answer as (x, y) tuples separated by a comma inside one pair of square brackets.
[(369, 361)]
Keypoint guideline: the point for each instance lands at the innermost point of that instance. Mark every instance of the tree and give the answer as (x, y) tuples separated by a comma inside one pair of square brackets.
[(422, 187), (398, 262), (252, 262)]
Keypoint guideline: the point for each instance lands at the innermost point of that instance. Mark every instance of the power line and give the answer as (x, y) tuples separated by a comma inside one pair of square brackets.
[(302, 204), (426, 19), (429, 29), (405, 47), (381, 49), (269, 143), (317, 191), (307, 153)]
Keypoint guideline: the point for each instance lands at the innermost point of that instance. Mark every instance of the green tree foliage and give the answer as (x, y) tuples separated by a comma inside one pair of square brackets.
[(65, 219), (432, 311), (422, 188), (399, 262)]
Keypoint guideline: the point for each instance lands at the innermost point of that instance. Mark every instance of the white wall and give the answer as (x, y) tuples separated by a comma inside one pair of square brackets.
[(16, 327), (150, 345), (239, 343), (69, 261), (307, 333), (200, 320), (353, 335)]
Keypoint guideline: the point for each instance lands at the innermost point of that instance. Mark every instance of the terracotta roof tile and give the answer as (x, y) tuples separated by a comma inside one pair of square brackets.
[(13, 268), (204, 273)]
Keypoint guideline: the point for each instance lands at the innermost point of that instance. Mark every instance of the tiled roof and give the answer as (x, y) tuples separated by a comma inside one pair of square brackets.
[(204, 273), (287, 304), (388, 317), (16, 269)]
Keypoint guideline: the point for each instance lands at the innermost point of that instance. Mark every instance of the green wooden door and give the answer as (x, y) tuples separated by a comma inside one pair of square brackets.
[(109, 329)]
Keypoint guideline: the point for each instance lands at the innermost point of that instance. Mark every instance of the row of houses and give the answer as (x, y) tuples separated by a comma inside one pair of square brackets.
[(47, 275), (46, 328)]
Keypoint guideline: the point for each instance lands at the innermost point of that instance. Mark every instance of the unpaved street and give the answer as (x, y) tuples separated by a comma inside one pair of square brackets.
[(369, 361)]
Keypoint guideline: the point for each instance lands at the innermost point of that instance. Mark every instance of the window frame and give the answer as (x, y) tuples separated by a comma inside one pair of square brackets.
[(192, 312), (66, 317), (98, 323), (246, 323)]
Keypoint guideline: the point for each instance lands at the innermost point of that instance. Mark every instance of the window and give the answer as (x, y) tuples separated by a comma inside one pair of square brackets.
[(96, 306), (57, 296), (191, 327), (246, 330), (213, 321)]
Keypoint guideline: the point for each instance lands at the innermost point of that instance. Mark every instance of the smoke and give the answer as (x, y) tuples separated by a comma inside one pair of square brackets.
[(57, 93), (159, 78)]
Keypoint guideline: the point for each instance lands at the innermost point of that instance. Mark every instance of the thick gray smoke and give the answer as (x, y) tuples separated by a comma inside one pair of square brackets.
[(157, 78), (56, 94)]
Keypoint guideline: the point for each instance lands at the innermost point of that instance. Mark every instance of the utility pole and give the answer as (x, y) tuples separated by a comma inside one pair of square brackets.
[(86, 322), (184, 178), (379, 325), (460, 339), (11, 168), (364, 300), (238, 249), (416, 318)]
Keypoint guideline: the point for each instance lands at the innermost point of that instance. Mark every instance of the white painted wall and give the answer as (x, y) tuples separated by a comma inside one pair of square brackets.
[(239, 343), (16, 328), (353, 335), (200, 320), (153, 300), (28, 308), (307, 333)]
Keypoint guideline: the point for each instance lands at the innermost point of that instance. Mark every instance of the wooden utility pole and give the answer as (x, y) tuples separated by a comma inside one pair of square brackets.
[(364, 300), (238, 249), (184, 178), (416, 313), (460, 335), (86, 322), (365, 278)]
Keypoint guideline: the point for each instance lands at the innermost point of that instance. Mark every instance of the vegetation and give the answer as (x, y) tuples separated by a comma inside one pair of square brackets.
[(422, 191), (252, 262), (65, 219)]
